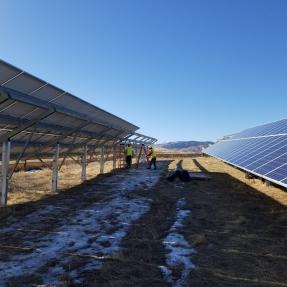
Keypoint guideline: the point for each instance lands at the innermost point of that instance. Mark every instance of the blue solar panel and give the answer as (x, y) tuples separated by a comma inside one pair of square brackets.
[(261, 150), (275, 128)]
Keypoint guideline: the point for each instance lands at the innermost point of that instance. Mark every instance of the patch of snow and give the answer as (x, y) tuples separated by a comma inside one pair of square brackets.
[(167, 274), (179, 249), (33, 170), (94, 232)]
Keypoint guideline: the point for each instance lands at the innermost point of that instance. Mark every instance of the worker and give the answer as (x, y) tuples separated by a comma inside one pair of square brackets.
[(152, 155), (129, 154)]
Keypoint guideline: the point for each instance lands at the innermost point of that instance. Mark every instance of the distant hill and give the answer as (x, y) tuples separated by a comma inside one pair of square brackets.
[(184, 146)]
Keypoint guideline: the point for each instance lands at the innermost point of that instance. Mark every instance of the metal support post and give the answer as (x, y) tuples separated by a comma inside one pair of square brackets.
[(102, 162), (5, 171), (84, 164), (136, 149), (55, 168), (114, 157)]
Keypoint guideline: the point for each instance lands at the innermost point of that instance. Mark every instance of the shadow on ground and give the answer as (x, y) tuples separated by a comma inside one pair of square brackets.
[(238, 233), (78, 194)]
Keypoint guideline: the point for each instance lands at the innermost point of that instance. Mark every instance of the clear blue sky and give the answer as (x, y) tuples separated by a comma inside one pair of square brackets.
[(181, 70)]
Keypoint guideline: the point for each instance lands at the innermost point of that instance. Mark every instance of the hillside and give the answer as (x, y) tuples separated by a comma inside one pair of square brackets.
[(184, 146)]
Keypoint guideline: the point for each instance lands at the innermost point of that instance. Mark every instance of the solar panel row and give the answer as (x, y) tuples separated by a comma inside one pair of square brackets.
[(41, 121), (261, 151), (274, 128), (19, 80), (51, 124), (32, 109)]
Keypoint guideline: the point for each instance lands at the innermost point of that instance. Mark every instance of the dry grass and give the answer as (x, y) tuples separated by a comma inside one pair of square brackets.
[(214, 165), (237, 226), (33, 186), (234, 227), (26, 186)]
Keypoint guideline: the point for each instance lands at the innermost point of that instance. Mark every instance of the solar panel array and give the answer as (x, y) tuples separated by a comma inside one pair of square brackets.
[(19, 80), (34, 111), (261, 151), (40, 121)]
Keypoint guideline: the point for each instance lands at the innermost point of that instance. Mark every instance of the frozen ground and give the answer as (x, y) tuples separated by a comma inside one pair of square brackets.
[(48, 243), (239, 233), (179, 251)]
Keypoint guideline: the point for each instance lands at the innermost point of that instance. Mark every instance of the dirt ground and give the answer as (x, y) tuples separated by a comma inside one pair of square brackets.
[(229, 231), (239, 228)]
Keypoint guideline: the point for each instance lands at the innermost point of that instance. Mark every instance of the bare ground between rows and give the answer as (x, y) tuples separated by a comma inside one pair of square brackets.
[(67, 204), (59, 198), (143, 251), (239, 235)]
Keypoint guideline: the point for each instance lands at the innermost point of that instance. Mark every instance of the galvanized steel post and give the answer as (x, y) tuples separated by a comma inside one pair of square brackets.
[(5, 172), (55, 168), (114, 157), (84, 164), (102, 162)]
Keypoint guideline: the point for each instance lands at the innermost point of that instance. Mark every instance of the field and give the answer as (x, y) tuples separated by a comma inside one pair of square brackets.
[(135, 228), (36, 184)]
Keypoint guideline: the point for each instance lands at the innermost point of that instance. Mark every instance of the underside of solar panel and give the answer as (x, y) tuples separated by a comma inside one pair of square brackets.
[(261, 151), (37, 115)]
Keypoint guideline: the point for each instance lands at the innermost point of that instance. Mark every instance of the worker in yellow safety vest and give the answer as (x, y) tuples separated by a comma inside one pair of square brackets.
[(129, 154), (152, 155)]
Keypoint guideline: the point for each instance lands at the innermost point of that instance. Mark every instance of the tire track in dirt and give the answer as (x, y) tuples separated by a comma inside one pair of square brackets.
[(143, 251)]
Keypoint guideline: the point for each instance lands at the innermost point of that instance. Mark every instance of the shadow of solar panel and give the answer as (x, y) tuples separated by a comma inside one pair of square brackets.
[(261, 150)]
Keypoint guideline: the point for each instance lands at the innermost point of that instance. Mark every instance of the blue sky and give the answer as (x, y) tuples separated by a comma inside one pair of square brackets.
[(181, 70)]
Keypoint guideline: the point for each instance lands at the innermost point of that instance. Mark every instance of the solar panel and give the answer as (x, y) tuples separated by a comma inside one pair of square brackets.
[(54, 114), (39, 120), (19, 80), (260, 150)]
